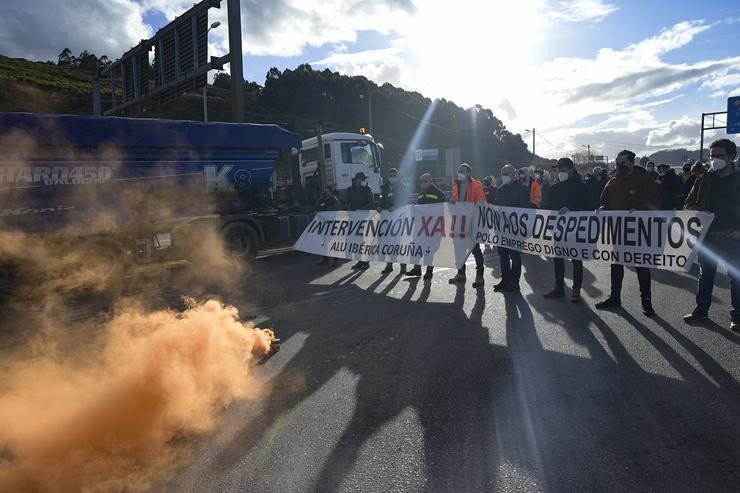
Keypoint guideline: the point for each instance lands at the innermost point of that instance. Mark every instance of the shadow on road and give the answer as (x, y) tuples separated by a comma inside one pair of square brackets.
[(520, 416)]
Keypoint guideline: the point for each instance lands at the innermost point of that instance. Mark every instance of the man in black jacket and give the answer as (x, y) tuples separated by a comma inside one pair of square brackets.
[(569, 194), (429, 194), (328, 201), (511, 194), (595, 186), (670, 187), (393, 194), (718, 191), (360, 198)]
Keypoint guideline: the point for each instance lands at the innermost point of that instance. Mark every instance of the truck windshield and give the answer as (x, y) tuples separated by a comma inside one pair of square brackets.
[(358, 153)]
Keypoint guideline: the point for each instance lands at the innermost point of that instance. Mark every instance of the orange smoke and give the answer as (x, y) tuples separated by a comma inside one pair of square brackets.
[(112, 421)]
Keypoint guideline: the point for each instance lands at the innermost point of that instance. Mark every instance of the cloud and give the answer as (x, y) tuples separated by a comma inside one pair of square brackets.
[(41, 29), (676, 133), (287, 27), (582, 10), (380, 66)]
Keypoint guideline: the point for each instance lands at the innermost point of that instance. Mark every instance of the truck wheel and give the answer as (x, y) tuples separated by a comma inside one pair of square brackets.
[(107, 260), (241, 239)]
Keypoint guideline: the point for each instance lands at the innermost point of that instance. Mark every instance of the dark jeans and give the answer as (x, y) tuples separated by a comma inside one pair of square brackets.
[(511, 265), (714, 250), (478, 261), (560, 272), (643, 277)]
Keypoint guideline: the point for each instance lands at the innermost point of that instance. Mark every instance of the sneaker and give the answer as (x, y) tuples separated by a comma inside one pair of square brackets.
[(479, 282), (324, 261), (403, 269), (457, 279), (696, 316), (499, 286), (647, 307), (415, 272), (364, 265), (556, 292), (575, 296), (428, 275), (511, 287), (610, 302)]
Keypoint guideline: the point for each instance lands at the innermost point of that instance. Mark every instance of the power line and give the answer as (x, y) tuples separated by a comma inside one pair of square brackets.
[(551, 144), (429, 123)]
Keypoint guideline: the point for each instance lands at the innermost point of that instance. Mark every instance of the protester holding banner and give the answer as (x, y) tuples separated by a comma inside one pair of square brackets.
[(360, 198), (429, 194), (569, 194), (393, 194), (511, 194), (468, 189), (328, 201), (633, 188), (718, 191)]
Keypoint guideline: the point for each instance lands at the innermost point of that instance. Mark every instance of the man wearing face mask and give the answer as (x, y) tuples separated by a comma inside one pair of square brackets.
[(393, 194), (429, 194), (468, 189), (511, 194), (569, 194), (360, 198), (718, 191), (631, 189)]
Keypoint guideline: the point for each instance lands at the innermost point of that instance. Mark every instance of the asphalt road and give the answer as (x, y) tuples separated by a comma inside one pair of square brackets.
[(390, 384)]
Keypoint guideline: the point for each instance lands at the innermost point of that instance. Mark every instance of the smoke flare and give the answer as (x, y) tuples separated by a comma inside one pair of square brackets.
[(112, 421)]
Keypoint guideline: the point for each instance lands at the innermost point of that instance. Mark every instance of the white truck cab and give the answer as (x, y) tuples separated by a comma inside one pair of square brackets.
[(345, 155)]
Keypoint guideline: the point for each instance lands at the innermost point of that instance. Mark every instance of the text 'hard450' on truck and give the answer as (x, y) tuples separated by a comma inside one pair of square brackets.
[(130, 191)]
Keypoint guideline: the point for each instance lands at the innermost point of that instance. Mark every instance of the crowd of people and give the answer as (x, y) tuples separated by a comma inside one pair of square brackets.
[(714, 188)]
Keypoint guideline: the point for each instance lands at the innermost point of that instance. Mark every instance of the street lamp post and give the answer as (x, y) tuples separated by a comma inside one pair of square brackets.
[(205, 95), (588, 155)]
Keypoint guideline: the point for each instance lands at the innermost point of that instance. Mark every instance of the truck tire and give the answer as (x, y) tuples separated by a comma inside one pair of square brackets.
[(107, 257), (241, 239)]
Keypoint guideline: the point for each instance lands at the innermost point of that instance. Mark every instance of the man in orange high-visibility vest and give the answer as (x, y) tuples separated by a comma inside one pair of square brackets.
[(468, 189)]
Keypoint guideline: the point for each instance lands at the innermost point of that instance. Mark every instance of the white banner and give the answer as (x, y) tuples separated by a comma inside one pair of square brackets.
[(444, 234), (653, 239), (432, 234)]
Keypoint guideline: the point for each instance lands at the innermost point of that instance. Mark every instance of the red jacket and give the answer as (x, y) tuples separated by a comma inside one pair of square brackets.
[(473, 194), (636, 191)]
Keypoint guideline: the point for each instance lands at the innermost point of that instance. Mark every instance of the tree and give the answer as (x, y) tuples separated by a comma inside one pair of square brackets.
[(222, 80), (65, 57)]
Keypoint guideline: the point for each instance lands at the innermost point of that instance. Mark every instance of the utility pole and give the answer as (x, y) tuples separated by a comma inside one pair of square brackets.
[(534, 142), (97, 107), (205, 105), (237, 66)]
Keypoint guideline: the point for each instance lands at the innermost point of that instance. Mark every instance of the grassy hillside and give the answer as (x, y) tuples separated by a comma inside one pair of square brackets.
[(41, 87)]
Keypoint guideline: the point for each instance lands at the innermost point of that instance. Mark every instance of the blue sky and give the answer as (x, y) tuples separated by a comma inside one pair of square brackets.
[(608, 73)]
